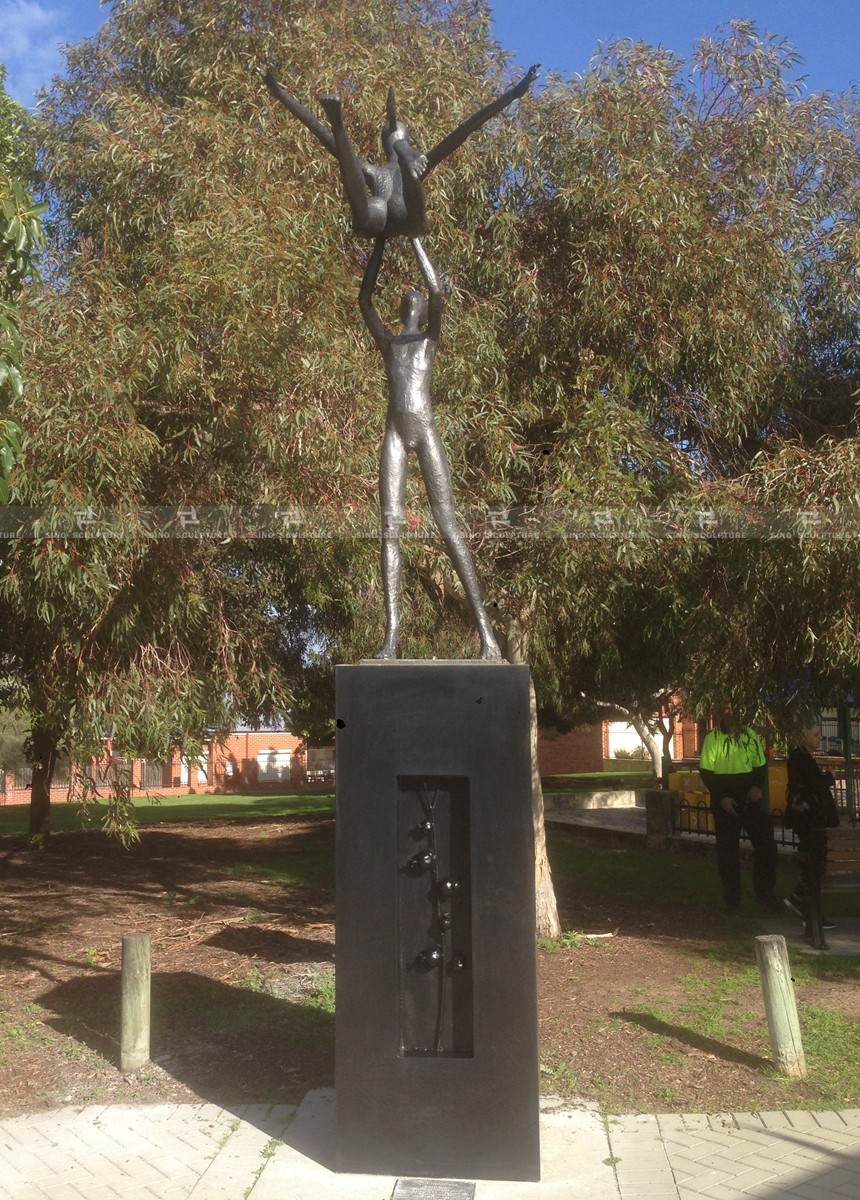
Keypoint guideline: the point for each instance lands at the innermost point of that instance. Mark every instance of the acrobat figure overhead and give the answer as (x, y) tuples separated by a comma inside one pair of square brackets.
[(409, 357), (388, 200)]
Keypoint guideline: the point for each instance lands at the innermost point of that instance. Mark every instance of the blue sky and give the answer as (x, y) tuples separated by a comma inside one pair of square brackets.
[(560, 34)]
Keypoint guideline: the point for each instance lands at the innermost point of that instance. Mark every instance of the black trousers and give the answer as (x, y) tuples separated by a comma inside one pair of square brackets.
[(811, 858), (755, 820)]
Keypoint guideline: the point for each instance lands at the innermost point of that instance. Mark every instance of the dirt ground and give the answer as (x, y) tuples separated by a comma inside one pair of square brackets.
[(241, 919)]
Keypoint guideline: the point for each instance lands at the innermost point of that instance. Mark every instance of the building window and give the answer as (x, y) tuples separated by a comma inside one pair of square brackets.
[(189, 767), (273, 766), (320, 764)]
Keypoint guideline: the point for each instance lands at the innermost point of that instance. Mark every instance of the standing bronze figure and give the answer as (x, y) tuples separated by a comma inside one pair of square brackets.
[(387, 201), (410, 426)]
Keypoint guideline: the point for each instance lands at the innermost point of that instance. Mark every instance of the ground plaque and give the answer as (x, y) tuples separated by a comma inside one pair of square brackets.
[(436, 1067), (433, 1189)]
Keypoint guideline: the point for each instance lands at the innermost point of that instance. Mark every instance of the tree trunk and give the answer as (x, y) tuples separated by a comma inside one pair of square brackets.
[(651, 743), (546, 910), (44, 753), (547, 923)]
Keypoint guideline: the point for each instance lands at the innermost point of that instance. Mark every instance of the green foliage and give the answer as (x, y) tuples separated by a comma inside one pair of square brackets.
[(197, 255), (650, 308), (13, 736), (832, 1045), (682, 339), (20, 238), (322, 992), (16, 135), (569, 940), (20, 1037)]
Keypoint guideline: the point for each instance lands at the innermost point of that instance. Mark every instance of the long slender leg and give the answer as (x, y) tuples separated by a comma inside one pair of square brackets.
[(392, 500), (306, 117), (368, 213), (412, 165), (437, 480)]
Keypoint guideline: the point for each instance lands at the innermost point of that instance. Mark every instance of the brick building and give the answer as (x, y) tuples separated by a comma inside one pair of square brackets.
[(270, 759), (246, 759), (591, 748)]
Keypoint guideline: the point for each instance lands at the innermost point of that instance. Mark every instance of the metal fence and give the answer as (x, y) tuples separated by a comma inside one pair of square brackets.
[(151, 774), (116, 769), (22, 777), (849, 802), (693, 818)]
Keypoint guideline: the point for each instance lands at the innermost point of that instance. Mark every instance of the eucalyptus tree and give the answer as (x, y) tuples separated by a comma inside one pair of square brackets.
[(680, 310), (198, 349), (649, 308), (20, 237)]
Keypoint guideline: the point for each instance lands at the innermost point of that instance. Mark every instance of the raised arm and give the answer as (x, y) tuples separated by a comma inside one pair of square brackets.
[(307, 118), (449, 144), (434, 292), (372, 318)]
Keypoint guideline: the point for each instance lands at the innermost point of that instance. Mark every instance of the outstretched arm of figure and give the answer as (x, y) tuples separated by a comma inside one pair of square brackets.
[(372, 318), (449, 144), (434, 292), (307, 118)]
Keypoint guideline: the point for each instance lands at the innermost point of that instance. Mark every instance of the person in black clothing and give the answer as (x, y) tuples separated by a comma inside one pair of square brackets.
[(810, 810)]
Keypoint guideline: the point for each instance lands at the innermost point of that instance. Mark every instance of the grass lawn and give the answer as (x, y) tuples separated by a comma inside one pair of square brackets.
[(707, 999), (650, 1001), (247, 806)]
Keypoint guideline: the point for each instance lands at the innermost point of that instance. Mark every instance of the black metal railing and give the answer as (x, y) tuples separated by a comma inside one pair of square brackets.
[(151, 774), (694, 819)]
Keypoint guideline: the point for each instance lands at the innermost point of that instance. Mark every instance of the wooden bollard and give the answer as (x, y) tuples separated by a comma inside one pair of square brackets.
[(780, 1005), (134, 1028)]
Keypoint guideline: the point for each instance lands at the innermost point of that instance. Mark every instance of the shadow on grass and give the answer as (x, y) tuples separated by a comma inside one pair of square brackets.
[(271, 945), (229, 1045), (71, 879), (697, 1041)]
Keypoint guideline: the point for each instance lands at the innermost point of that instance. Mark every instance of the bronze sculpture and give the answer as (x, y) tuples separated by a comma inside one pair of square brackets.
[(387, 201), (382, 199), (409, 426)]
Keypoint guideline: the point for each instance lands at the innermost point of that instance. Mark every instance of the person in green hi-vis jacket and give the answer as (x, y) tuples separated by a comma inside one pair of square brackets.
[(733, 767)]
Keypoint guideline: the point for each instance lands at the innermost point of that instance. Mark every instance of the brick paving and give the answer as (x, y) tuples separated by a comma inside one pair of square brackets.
[(205, 1152)]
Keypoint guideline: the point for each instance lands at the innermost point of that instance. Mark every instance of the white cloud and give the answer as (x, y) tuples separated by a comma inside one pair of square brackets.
[(30, 38)]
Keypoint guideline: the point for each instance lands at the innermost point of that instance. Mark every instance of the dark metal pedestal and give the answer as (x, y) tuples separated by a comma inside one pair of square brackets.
[(436, 1059)]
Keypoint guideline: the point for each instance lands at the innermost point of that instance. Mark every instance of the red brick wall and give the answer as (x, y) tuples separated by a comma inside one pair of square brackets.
[(241, 750), (568, 753), (689, 740)]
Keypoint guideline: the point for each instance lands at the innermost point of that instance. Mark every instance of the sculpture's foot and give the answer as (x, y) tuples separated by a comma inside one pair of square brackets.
[(410, 159), (333, 105), (389, 649), (490, 651)]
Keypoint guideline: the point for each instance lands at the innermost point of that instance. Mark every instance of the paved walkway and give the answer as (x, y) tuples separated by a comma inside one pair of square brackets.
[(203, 1152)]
